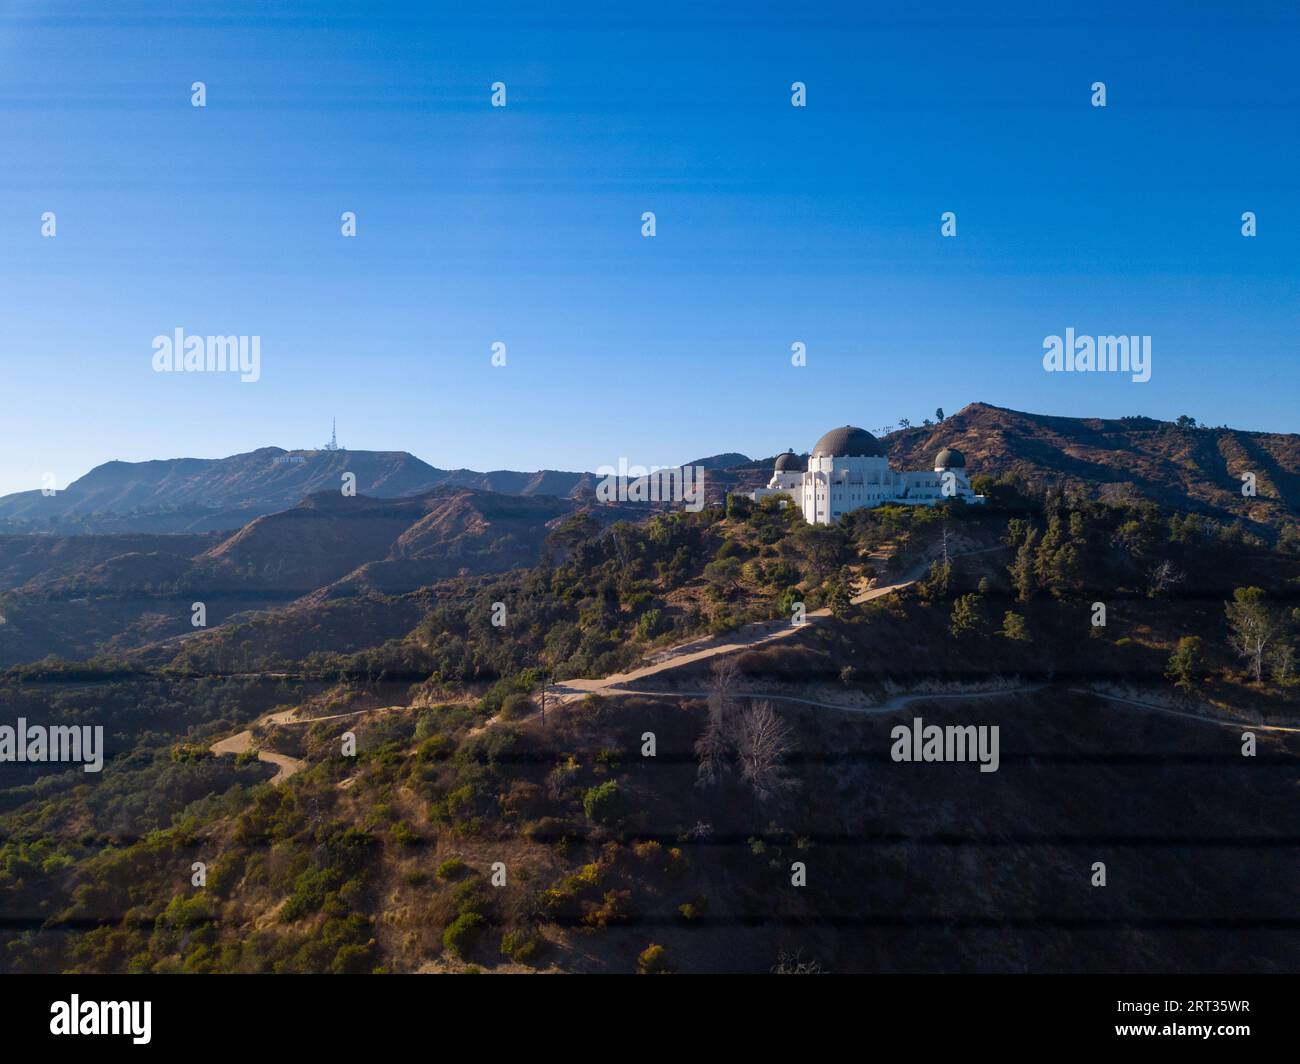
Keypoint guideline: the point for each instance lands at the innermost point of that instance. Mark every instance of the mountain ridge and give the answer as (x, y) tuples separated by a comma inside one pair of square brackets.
[(1169, 463), (198, 495)]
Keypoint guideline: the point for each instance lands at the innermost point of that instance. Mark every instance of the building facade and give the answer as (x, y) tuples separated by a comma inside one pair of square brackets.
[(849, 470)]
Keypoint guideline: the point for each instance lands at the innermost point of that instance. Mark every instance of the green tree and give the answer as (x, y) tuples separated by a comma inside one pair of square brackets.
[(1022, 569), (965, 615), (1014, 627), (937, 581), (839, 596), (723, 574), (603, 804), (1254, 627), (653, 961), (648, 624), (1186, 663)]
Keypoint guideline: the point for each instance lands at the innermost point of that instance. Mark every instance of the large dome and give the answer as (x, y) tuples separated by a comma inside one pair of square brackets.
[(848, 442), (950, 458), (787, 462)]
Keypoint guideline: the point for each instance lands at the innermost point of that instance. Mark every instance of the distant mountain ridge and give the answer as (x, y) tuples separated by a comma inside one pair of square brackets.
[(213, 494), (1175, 465)]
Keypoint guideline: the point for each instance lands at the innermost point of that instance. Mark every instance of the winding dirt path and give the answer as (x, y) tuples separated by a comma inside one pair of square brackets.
[(1239, 725), (743, 639), (750, 636), (893, 705), (665, 661), (242, 742)]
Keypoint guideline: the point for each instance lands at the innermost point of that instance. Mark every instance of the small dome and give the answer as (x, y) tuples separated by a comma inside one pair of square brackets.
[(950, 458), (848, 442), (788, 462)]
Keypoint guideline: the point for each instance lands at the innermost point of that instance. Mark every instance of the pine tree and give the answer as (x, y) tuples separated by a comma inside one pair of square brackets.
[(1014, 627), (1022, 569), (965, 615)]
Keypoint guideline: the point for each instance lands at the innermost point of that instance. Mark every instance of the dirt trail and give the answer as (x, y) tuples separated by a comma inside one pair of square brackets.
[(748, 637), (1239, 725), (667, 660), (242, 742), (743, 639), (893, 705)]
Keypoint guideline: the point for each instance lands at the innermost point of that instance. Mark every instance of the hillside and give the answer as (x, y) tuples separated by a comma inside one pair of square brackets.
[(1196, 468), (73, 596), (382, 861), (200, 495), (1138, 457)]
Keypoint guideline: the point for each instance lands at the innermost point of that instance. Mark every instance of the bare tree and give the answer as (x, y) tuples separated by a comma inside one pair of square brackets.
[(1164, 576), (794, 964), (712, 748), (763, 740)]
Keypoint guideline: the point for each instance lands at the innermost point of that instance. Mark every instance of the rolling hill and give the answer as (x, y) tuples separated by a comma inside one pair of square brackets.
[(1185, 467), (75, 595), (203, 495), (1189, 468)]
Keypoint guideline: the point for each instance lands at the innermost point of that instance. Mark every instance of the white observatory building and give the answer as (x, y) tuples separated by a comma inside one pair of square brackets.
[(848, 470)]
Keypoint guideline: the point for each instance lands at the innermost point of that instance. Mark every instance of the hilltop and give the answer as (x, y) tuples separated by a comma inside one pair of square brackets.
[(212, 494), (1186, 467)]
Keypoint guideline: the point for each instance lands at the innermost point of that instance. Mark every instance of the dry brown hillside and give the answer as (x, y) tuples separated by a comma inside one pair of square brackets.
[(1187, 468)]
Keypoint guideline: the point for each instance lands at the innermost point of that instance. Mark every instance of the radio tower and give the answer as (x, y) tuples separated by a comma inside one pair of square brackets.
[(333, 445)]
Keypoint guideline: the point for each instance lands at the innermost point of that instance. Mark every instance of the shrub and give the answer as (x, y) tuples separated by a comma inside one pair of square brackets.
[(516, 706), (462, 933), (615, 908), (692, 910), (649, 624), (653, 961), (603, 804), (403, 835), (451, 868), (435, 748), (521, 946), (649, 851), (469, 897), (353, 960)]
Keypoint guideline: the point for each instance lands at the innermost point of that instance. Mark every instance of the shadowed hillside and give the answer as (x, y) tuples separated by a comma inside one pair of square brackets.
[(86, 594), (200, 494)]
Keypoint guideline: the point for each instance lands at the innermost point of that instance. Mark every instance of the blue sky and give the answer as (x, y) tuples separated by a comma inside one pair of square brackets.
[(522, 224)]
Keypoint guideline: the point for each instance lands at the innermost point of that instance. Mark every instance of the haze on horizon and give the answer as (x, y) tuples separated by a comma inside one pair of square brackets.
[(523, 224)]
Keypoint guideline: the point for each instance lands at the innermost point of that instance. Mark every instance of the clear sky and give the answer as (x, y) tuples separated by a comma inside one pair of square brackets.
[(775, 224)]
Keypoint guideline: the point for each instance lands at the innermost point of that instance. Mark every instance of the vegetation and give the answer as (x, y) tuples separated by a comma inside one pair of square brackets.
[(598, 843)]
